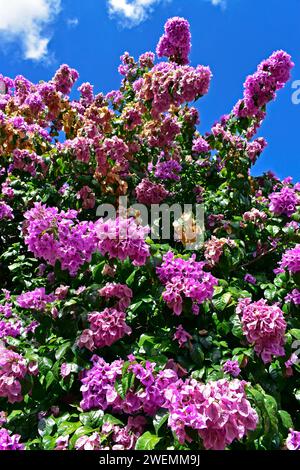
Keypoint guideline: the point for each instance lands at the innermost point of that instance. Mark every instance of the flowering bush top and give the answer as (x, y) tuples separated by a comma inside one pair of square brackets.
[(111, 335)]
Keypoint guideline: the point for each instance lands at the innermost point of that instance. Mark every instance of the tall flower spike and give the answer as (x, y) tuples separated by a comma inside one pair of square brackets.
[(175, 43)]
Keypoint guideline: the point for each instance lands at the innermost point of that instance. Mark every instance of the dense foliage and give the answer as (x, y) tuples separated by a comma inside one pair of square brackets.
[(111, 342)]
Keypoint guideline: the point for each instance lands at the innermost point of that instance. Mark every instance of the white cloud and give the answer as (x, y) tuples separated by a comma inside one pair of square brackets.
[(221, 3), (132, 11), (72, 22), (24, 21)]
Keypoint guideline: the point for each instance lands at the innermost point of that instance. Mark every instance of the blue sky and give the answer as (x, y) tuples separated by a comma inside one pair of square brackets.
[(232, 36)]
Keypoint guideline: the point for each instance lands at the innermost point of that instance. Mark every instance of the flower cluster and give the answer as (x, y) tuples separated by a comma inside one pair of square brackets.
[(119, 291), (200, 146), (13, 368), (168, 170), (291, 260), (255, 216), (219, 411), (6, 211), (115, 149), (132, 117), (98, 383), (293, 359), (87, 196), (106, 328), (120, 437), (232, 368), (162, 134), (284, 201), (185, 278), (261, 87), (182, 336), (98, 389), (176, 41), (293, 297), (293, 440), (147, 59), (255, 148), (65, 78), (6, 309), (249, 278), (35, 300), (10, 441), (123, 238), (170, 84), (80, 147), (28, 162), (8, 328), (124, 438), (58, 236), (92, 442), (264, 326), (214, 249), (149, 193)]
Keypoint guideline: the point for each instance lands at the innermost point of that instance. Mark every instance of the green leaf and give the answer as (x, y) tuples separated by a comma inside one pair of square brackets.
[(62, 418), (107, 418), (94, 419), (66, 428), (130, 279), (119, 389), (133, 307), (62, 350), (45, 364), (295, 333), (267, 406), (160, 419), (286, 419), (127, 381), (271, 409), (147, 441), (197, 354), (218, 290), (49, 442), (237, 329), (148, 300), (70, 302), (273, 230), (49, 379), (97, 272), (270, 293), (45, 426), (220, 303), (144, 338), (278, 282)]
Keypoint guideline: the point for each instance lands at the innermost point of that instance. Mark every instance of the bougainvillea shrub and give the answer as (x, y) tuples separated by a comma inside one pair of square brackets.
[(111, 338)]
